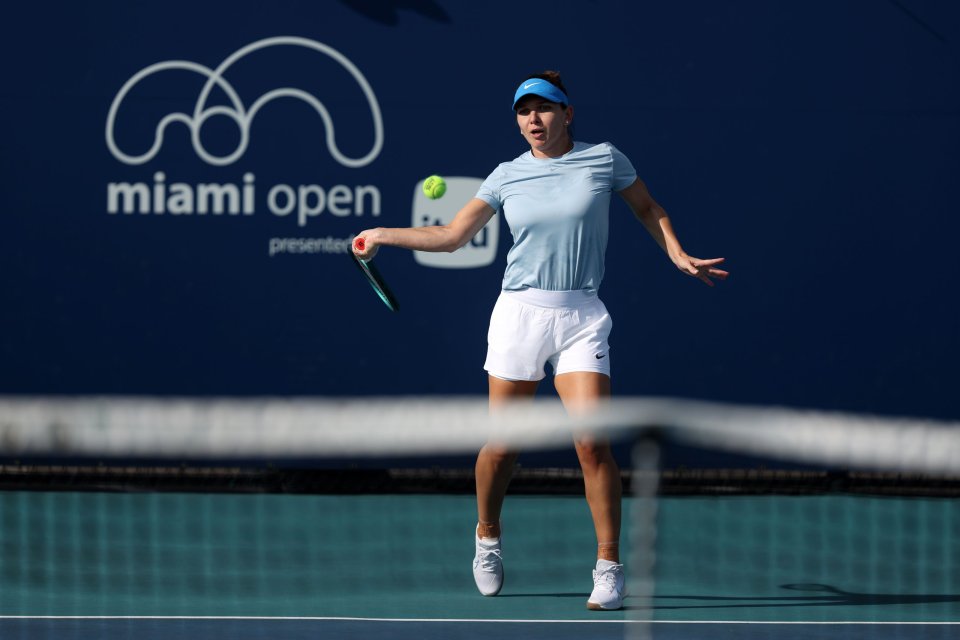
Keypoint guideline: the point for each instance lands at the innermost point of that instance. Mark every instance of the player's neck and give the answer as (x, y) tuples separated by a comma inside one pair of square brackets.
[(561, 149)]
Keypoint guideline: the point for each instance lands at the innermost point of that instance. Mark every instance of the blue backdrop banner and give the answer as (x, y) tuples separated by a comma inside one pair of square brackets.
[(182, 180)]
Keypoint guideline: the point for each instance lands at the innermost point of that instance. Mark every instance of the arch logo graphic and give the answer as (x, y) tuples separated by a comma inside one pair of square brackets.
[(241, 114)]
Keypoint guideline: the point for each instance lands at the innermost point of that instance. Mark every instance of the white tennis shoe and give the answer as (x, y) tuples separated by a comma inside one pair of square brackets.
[(608, 587), (488, 566)]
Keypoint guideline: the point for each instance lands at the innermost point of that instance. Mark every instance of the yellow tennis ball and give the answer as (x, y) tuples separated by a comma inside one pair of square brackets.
[(434, 187)]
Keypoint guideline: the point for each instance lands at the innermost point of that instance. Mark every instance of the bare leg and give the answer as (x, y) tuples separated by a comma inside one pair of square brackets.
[(581, 391), (495, 463)]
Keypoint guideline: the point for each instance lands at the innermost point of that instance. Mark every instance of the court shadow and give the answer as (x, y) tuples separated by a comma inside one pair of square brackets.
[(820, 595)]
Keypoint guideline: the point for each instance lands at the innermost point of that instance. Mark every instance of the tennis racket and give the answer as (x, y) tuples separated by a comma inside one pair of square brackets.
[(374, 278)]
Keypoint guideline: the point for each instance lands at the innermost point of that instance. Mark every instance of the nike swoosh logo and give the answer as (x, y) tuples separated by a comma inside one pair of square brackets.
[(532, 84), (600, 356)]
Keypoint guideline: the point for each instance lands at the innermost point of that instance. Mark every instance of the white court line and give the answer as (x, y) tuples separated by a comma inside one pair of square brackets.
[(827, 622), (300, 618), (475, 620)]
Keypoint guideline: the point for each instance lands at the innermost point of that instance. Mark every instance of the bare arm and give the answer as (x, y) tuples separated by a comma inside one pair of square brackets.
[(657, 223), (449, 237)]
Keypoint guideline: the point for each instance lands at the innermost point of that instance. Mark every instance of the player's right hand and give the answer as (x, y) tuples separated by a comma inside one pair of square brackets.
[(364, 246)]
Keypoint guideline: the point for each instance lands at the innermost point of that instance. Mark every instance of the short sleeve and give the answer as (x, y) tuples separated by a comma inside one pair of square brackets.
[(489, 191), (624, 174)]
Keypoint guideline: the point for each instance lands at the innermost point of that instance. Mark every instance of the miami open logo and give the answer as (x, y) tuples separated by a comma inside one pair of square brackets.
[(164, 194), (241, 114)]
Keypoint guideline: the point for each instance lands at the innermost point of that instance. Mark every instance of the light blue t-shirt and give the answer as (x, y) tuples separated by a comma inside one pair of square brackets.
[(558, 213)]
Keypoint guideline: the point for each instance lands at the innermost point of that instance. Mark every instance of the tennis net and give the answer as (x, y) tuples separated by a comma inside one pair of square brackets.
[(363, 508)]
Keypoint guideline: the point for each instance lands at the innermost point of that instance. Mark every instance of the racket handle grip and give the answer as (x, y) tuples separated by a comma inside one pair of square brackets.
[(359, 244)]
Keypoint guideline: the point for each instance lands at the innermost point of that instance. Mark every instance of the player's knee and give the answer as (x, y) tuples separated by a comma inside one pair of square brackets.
[(498, 455), (594, 454)]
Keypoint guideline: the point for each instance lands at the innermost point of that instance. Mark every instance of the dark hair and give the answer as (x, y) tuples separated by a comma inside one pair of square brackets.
[(553, 77)]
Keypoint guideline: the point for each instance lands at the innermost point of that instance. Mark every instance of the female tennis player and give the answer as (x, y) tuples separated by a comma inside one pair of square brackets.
[(556, 199)]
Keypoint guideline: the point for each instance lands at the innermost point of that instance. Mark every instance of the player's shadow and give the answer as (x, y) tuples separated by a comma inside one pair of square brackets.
[(821, 595)]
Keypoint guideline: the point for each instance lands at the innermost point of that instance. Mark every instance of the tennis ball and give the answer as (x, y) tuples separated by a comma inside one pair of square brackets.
[(434, 187)]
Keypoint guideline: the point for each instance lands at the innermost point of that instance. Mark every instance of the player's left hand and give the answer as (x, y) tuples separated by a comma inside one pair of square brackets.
[(704, 270)]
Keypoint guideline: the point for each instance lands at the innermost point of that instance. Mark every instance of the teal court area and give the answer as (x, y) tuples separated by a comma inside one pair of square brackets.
[(152, 565)]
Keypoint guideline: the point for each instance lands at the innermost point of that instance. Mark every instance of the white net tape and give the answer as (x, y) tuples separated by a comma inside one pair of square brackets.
[(300, 427)]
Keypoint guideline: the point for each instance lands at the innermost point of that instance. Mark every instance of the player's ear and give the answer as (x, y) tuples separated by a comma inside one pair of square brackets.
[(568, 113)]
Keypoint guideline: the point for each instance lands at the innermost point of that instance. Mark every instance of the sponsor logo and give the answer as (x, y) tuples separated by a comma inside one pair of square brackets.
[(481, 251)]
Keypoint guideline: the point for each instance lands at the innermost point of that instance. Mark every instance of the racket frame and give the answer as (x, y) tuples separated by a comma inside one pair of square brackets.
[(376, 281)]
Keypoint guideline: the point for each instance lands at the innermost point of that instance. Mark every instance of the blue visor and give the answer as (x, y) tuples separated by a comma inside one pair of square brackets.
[(542, 88)]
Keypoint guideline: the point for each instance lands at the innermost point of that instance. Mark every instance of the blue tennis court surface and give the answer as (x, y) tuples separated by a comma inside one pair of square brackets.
[(153, 565), (304, 629)]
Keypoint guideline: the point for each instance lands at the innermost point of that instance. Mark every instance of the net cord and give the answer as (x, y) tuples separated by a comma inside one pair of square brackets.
[(304, 427)]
